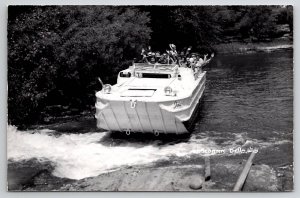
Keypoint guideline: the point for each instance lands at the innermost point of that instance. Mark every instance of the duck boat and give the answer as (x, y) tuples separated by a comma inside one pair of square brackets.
[(151, 98)]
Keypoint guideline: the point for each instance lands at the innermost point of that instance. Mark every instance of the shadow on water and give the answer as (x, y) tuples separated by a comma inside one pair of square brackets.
[(120, 138), (83, 125)]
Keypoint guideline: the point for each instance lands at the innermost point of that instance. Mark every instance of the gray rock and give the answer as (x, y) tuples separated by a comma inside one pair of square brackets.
[(261, 178), (196, 182)]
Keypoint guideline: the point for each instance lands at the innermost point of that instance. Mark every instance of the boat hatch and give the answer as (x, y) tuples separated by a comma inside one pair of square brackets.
[(138, 93), (154, 75)]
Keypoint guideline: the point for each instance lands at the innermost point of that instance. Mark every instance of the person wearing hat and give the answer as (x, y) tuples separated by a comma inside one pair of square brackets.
[(152, 58), (172, 46)]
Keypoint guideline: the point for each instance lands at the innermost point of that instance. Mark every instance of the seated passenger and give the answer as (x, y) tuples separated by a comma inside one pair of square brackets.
[(181, 59), (189, 62), (149, 49), (193, 59), (152, 59), (173, 48), (144, 56), (170, 59), (163, 59), (157, 56), (188, 52), (199, 62)]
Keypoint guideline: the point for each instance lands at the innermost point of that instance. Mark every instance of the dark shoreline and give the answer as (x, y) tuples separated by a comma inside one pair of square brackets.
[(171, 175)]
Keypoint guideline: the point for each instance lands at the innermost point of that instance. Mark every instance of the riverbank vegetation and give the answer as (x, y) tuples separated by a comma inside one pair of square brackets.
[(241, 48), (56, 53)]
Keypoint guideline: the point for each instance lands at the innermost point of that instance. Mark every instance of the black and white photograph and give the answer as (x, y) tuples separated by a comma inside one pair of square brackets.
[(193, 98)]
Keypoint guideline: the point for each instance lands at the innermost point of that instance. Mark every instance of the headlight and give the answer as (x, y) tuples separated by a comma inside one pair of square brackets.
[(139, 75), (179, 77), (107, 88), (168, 91)]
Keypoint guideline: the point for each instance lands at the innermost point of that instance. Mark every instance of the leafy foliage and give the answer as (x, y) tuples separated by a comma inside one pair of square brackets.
[(256, 22), (200, 23), (56, 53)]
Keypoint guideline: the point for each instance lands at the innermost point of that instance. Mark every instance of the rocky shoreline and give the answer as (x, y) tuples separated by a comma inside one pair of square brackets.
[(178, 174)]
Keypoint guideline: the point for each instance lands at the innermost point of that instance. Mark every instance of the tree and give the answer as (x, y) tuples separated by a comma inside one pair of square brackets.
[(197, 25), (55, 53), (256, 22)]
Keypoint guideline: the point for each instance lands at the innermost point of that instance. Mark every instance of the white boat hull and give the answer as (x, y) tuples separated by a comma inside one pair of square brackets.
[(149, 115)]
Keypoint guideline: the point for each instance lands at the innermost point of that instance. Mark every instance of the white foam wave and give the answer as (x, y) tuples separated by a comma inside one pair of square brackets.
[(82, 155)]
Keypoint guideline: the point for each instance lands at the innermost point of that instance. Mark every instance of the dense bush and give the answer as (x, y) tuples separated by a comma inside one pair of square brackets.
[(56, 53)]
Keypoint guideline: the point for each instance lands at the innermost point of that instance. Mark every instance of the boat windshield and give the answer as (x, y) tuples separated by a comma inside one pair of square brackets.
[(156, 67)]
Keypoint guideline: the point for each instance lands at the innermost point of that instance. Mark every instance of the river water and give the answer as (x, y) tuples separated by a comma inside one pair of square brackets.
[(248, 102)]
